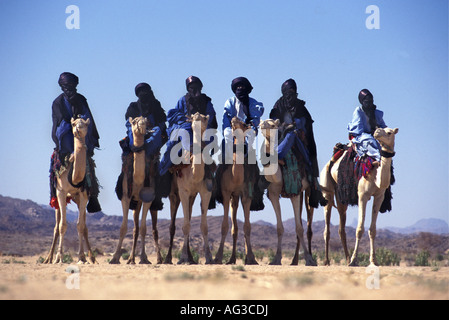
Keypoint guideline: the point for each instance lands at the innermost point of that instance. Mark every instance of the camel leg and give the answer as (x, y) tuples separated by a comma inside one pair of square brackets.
[(377, 202), (156, 235), (235, 228), (174, 205), (327, 221), (250, 259), (342, 228), (274, 198), (81, 226), (90, 253), (327, 187), (62, 225), (205, 199), (49, 258), (185, 201), (136, 214), (143, 232), (123, 230), (309, 211), (189, 252), (363, 200), (300, 231), (224, 229)]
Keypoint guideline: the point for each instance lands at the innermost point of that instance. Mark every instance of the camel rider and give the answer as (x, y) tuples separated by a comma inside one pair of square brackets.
[(71, 104), (246, 109), (192, 102), (297, 127), (149, 107), (365, 120)]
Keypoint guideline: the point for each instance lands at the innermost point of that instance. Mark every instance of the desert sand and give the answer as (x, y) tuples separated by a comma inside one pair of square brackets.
[(25, 278)]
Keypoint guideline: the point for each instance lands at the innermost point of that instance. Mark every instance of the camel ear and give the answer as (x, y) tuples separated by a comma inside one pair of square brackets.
[(87, 121), (277, 122), (130, 120), (396, 130)]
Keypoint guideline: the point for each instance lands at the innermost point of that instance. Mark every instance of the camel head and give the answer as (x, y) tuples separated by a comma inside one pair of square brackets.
[(236, 123), (386, 137), (80, 127), (267, 125), (139, 125), (198, 118)]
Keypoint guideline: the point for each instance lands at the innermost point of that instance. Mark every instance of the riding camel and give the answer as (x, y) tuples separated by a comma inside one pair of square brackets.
[(273, 174), (234, 188), (373, 185), (188, 180), (134, 174), (76, 191)]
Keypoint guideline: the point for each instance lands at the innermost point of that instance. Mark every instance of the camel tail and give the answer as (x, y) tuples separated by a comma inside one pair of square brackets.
[(327, 184)]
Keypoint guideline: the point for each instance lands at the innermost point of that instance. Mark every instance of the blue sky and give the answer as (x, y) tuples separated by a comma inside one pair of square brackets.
[(324, 45)]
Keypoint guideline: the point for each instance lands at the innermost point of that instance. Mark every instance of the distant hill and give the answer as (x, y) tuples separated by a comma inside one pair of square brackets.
[(431, 225), (26, 228)]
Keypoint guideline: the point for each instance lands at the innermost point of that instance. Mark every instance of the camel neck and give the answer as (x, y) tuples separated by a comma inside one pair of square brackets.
[(79, 162), (384, 172)]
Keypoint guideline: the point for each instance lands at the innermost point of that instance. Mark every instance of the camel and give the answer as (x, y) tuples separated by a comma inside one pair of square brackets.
[(139, 161), (373, 185), (274, 192), (188, 181), (77, 192), (234, 189)]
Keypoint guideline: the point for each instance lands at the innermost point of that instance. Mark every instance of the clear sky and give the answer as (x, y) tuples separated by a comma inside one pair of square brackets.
[(324, 45)]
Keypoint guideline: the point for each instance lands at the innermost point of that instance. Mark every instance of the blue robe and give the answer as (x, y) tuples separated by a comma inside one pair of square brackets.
[(177, 120), (360, 129), (63, 130), (233, 108)]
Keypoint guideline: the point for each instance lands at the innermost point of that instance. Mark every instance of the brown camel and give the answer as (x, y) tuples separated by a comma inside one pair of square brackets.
[(273, 174), (373, 185), (188, 181), (65, 189), (233, 188), (139, 163)]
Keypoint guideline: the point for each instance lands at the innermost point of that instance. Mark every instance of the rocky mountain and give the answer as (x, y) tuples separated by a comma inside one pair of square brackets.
[(26, 228), (431, 225)]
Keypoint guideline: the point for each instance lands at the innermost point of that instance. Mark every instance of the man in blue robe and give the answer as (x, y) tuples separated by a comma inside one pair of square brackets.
[(149, 107), (365, 120), (244, 107), (298, 136), (66, 106), (194, 101)]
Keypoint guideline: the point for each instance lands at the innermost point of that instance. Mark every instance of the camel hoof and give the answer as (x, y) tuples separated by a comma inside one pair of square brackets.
[(311, 263), (114, 261), (276, 262), (144, 261), (48, 260), (353, 263), (250, 262)]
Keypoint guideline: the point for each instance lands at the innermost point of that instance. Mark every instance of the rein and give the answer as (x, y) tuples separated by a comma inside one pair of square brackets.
[(387, 154)]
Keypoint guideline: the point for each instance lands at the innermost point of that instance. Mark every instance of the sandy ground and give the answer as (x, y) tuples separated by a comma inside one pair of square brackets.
[(24, 278)]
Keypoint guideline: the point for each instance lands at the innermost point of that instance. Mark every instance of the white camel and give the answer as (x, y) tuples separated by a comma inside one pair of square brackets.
[(65, 189), (373, 185)]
